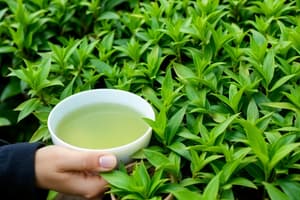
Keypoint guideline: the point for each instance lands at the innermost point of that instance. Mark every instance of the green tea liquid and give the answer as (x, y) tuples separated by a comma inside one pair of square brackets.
[(101, 126)]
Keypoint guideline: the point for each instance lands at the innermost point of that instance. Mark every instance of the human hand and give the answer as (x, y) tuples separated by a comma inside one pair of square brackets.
[(72, 172)]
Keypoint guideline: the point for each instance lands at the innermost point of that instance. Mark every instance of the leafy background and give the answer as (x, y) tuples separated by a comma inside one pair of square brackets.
[(223, 77)]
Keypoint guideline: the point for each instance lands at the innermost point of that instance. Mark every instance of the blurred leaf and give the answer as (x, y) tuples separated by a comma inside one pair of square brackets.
[(7, 49), (41, 133), (4, 122), (182, 193), (290, 188), (11, 89), (275, 193), (241, 181)]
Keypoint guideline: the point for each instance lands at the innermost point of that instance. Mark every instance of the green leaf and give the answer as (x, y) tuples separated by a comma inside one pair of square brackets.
[(68, 90), (281, 153), (281, 105), (11, 89), (7, 49), (156, 158), (184, 72), (4, 122), (212, 189), (220, 128), (150, 94), (241, 181), (119, 180), (182, 193), (290, 188), (174, 124), (27, 107), (275, 193), (108, 15), (40, 133), (282, 81), (252, 111), (141, 177), (180, 149), (269, 67), (167, 88), (256, 141), (156, 182), (235, 100)]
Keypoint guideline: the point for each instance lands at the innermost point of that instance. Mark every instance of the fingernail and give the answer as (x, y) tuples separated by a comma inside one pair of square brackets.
[(107, 161)]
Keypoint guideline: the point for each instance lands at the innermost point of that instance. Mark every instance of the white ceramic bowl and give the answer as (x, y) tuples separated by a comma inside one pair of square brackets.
[(84, 98)]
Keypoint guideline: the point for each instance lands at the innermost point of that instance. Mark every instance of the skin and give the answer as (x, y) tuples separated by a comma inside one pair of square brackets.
[(72, 172)]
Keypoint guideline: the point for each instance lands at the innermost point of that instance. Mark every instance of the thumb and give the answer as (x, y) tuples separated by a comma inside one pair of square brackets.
[(88, 161)]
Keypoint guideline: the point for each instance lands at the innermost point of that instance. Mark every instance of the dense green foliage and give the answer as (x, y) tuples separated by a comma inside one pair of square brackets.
[(223, 77)]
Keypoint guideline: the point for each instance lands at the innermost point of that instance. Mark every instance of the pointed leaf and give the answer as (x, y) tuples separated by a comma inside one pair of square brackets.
[(282, 81), (174, 124), (275, 193), (4, 122), (156, 158), (182, 193), (27, 107), (256, 141), (291, 188), (282, 152), (212, 189), (252, 111)]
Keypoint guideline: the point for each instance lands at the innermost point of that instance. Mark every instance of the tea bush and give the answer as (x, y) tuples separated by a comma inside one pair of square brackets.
[(223, 77)]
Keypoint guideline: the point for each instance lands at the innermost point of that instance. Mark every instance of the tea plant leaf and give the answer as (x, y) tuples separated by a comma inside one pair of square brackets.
[(157, 181), (290, 188), (7, 49), (281, 105), (235, 97), (174, 124), (198, 162), (281, 153), (27, 107), (220, 128), (256, 141), (212, 189), (157, 159), (182, 193), (241, 181), (108, 15), (150, 94), (141, 177), (68, 89), (167, 88), (282, 81), (275, 193), (269, 67), (154, 61), (119, 180), (159, 125), (11, 89), (4, 122), (181, 149), (40, 133), (252, 111), (184, 72)]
